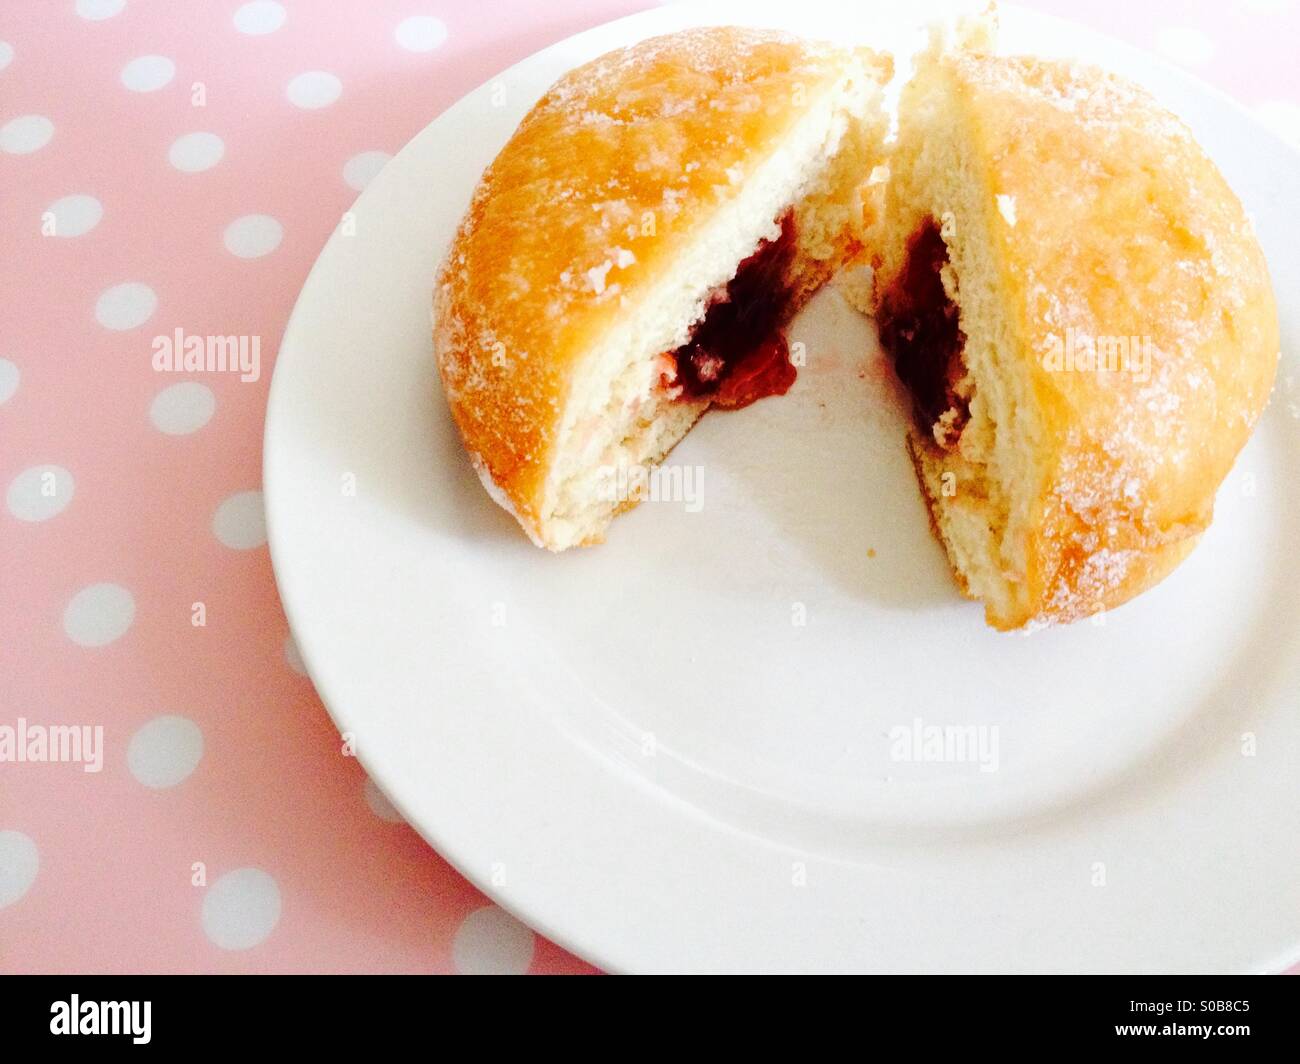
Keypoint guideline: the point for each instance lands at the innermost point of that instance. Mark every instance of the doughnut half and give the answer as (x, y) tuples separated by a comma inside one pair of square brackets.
[(1080, 308), (630, 257)]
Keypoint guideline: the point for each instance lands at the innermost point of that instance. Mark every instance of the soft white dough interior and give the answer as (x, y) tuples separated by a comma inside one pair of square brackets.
[(981, 489), (618, 415)]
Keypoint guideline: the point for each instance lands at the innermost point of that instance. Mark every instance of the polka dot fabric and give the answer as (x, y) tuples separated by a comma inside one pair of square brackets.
[(178, 166)]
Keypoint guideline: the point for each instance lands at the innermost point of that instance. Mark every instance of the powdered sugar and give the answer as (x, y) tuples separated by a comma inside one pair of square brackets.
[(596, 276)]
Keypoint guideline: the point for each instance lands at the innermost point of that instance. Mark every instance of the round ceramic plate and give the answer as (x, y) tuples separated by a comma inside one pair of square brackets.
[(758, 728)]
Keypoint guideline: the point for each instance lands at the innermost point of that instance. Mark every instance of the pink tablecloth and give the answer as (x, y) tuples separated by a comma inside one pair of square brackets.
[(178, 165)]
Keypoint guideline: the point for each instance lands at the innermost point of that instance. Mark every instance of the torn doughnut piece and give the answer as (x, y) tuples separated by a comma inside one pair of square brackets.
[(1083, 317), (633, 253)]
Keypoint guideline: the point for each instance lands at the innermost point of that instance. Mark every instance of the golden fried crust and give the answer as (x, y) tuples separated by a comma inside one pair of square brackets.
[(588, 205), (1113, 223)]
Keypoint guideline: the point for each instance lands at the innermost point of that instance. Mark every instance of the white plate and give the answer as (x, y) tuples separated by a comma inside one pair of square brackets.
[(641, 752)]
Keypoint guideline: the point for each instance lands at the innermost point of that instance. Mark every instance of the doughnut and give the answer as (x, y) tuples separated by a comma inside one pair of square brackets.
[(1066, 287), (1078, 305), (631, 257)]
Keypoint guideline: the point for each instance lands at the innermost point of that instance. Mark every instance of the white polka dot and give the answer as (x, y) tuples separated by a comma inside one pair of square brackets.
[(259, 17), (125, 306), (1283, 117), (165, 751), (379, 803), (73, 215), (97, 10), (420, 33), (9, 376), (253, 236), (361, 169), (492, 942), (196, 151), (293, 655), (314, 89), (6, 54), (241, 908), (240, 521), (98, 614), (19, 863), (148, 73), (180, 409), (1186, 45), (38, 493), (22, 136)]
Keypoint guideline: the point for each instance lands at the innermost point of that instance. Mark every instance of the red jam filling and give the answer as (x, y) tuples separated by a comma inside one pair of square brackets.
[(918, 328), (737, 353)]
